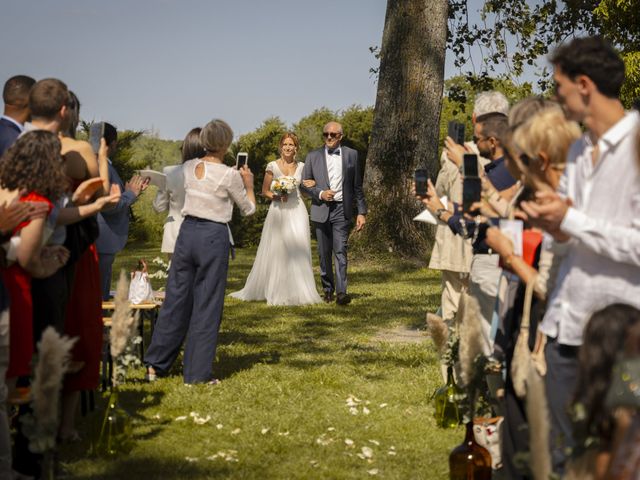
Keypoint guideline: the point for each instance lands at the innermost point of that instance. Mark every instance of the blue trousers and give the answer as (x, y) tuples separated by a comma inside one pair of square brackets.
[(105, 263), (332, 237), (193, 302)]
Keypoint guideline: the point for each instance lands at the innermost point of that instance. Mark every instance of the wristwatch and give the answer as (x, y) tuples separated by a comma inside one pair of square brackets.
[(439, 213)]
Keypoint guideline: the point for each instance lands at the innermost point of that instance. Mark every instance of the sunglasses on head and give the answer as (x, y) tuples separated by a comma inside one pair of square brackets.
[(331, 134)]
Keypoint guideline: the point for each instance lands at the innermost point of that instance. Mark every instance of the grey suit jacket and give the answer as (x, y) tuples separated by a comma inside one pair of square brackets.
[(315, 167), (114, 223)]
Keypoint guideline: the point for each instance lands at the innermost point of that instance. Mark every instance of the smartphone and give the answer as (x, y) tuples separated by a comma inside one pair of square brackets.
[(421, 177), (241, 159), (470, 165), (471, 192), (456, 131), (96, 132)]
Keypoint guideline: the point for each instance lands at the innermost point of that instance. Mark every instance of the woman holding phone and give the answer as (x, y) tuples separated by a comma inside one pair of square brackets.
[(282, 272), (198, 272)]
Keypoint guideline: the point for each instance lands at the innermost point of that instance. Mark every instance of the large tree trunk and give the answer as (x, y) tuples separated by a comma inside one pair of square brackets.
[(406, 122)]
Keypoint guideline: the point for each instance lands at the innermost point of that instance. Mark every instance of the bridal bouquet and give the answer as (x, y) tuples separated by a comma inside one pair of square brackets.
[(283, 186)]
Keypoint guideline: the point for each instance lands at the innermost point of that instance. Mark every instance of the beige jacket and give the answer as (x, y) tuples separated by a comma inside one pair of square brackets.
[(450, 252)]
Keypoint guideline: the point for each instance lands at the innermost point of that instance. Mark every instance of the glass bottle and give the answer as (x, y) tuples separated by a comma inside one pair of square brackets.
[(469, 461), (447, 412), (115, 434)]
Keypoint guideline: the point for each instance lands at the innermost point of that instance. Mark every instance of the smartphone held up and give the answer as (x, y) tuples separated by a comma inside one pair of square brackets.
[(241, 159), (96, 132), (471, 186), (421, 177)]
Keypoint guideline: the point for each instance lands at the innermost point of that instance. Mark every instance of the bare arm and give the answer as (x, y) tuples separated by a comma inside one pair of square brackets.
[(266, 185)]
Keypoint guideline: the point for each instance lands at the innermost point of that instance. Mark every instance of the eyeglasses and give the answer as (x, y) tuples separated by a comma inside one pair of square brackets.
[(331, 134)]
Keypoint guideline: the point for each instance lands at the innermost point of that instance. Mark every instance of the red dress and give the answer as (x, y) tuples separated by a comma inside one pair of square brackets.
[(18, 282), (84, 320)]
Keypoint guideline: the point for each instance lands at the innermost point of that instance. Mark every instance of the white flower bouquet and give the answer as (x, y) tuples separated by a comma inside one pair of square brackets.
[(283, 186)]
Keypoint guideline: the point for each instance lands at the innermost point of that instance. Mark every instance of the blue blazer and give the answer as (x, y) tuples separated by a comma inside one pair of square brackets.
[(9, 132), (114, 223), (315, 167)]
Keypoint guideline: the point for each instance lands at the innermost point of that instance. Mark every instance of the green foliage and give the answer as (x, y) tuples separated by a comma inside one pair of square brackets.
[(152, 152), (631, 87), (309, 130)]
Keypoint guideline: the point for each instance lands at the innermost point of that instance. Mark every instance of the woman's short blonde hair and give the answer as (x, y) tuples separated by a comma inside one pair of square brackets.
[(216, 136), (550, 132)]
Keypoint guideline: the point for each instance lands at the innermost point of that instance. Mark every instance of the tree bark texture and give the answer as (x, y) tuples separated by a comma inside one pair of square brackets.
[(406, 122)]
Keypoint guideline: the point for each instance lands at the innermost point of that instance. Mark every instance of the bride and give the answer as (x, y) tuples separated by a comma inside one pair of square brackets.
[(282, 272)]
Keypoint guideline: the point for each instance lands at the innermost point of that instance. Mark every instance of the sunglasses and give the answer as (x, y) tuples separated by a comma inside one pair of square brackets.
[(331, 134)]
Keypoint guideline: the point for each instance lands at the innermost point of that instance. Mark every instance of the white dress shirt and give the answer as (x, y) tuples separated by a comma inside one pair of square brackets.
[(602, 265), (334, 170)]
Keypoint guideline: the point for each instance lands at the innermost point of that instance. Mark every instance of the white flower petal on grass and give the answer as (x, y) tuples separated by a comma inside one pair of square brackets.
[(367, 452), (314, 463), (219, 426), (353, 410), (284, 434), (156, 417), (392, 447), (191, 459), (373, 471), (392, 453), (331, 429), (375, 442), (323, 440), (264, 430), (366, 411), (359, 455), (181, 418), (348, 442), (236, 431), (201, 420), (383, 405)]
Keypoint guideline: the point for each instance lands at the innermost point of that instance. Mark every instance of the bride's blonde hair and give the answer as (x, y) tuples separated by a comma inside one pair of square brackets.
[(290, 135)]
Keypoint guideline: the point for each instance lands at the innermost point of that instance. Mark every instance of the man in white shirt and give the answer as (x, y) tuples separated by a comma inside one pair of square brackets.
[(335, 198), (596, 212)]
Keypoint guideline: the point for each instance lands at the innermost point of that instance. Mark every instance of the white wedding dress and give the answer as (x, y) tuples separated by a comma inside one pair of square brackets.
[(282, 273)]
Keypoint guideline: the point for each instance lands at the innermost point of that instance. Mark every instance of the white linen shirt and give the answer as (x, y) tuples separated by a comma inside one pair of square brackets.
[(602, 265), (334, 170)]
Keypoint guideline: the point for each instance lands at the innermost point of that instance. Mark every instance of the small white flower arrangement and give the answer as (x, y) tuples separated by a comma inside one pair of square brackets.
[(283, 186)]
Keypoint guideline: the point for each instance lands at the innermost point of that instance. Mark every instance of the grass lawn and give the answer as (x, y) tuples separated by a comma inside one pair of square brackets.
[(283, 410)]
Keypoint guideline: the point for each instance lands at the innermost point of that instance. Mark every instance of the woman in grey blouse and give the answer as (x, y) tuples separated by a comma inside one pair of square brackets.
[(198, 273)]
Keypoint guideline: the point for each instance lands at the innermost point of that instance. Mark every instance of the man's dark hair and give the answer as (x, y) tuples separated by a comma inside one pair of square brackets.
[(47, 97), (494, 125), (595, 58), (16, 90), (110, 133)]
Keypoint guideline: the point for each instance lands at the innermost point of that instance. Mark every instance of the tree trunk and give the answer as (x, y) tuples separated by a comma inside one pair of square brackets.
[(406, 123)]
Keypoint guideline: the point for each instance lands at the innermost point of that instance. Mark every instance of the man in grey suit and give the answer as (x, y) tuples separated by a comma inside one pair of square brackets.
[(114, 223), (338, 176)]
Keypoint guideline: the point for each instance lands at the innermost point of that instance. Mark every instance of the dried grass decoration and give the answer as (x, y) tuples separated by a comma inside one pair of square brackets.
[(41, 427), (115, 435)]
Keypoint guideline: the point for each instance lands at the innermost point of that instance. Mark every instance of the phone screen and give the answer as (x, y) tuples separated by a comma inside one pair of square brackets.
[(96, 132), (421, 177), (471, 192), (470, 165), (241, 159), (456, 131)]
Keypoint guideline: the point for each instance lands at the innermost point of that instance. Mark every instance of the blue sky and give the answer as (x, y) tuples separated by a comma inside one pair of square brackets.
[(170, 65)]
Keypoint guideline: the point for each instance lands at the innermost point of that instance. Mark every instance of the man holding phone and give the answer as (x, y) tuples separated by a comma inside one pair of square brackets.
[(337, 172), (114, 223)]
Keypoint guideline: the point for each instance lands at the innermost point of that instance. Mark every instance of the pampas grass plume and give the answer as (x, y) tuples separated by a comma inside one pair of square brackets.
[(470, 335), (122, 323), (54, 352), (438, 330)]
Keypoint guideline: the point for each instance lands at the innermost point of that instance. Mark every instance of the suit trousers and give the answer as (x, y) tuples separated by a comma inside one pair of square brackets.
[(332, 237), (105, 261), (483, 286), (560, 382), (194, 301)]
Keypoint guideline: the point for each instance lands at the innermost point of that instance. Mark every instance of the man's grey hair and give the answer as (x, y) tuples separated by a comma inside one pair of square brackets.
[(490, 102)]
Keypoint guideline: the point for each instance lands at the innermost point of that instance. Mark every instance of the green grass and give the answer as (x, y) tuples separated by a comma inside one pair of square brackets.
[(286, 375)]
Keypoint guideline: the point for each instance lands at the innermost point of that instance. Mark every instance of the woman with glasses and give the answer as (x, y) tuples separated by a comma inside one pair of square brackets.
[(282, 273)]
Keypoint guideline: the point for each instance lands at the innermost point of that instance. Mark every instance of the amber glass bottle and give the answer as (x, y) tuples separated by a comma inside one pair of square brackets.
[(469, 461)]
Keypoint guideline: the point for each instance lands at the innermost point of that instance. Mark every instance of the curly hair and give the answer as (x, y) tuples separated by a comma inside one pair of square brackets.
[(604, 338), (34, 163)]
